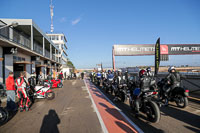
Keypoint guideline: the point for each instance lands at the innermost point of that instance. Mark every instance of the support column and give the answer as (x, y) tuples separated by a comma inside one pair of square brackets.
[(11, 33), (113, 58), (8, 64), (50, 51), (55, 55), (43, 46), (31, 37), (1, 65)]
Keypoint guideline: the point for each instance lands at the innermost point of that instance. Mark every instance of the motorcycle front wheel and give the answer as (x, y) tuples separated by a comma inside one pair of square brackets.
[(153, 112), (60, 85), (3, 116), (181, 101), (50, 95)]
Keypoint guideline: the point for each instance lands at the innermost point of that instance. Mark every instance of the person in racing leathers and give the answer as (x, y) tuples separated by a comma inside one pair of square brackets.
[(173, 80), (22, 85)]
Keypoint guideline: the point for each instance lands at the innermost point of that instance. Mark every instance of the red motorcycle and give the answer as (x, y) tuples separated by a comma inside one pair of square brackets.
[(55, 83)]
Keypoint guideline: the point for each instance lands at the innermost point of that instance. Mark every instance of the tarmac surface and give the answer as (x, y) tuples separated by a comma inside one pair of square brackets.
[(70, 112), (80, 107)]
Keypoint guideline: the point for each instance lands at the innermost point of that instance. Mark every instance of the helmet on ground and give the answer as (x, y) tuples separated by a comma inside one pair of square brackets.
[(171, 68), (142, 72)]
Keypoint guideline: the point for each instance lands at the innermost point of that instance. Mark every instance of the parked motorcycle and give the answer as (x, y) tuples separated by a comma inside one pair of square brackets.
[(42, 92), (55, 83), (3, 115), (146, 105), (179, 95)]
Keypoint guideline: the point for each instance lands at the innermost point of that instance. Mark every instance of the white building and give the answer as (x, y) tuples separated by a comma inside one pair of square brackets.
[(60, 41)]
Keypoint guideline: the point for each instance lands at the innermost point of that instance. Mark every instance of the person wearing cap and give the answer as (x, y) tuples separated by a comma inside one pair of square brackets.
[(10, 87)]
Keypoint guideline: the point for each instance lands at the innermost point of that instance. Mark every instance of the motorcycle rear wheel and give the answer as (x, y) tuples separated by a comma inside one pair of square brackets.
[(153, 112), (181, 101)]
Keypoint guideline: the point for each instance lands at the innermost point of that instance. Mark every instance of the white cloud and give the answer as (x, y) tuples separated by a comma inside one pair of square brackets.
[(63, 19), (76, 21)]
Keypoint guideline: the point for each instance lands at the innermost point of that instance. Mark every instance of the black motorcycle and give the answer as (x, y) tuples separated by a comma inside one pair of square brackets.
[(146, 105), (108, 86), (121, 91), (98, 81), (179, 95), (3, 115)]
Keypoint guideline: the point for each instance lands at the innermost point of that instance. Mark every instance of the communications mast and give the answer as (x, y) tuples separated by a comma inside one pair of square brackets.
[(51, 13)]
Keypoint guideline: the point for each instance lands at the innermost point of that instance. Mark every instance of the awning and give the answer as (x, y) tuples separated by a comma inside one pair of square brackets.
[(41, 65), (49, 67), (23, 62), (1, 59)]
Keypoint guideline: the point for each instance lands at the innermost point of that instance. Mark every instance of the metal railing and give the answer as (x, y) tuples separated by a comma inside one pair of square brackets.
[(21, 39), (37, 48), (47, 53), (53, 57), (16, 37)]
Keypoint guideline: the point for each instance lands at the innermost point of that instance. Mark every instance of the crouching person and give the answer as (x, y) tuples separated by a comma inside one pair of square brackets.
[(22, 85)]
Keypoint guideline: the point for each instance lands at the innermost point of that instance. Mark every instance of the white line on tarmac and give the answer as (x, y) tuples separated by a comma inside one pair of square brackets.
[(133, 124), (96, 110)]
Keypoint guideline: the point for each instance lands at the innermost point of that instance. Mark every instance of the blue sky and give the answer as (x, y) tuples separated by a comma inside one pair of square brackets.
[(93, 26)]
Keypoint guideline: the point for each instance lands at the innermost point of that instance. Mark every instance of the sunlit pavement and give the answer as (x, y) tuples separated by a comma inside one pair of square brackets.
[(81, 107)]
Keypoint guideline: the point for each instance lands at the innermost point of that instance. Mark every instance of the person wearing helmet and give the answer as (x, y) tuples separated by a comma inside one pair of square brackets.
[(120, 79), (149, 73), (144, 85), (173, 80), (110, 75)]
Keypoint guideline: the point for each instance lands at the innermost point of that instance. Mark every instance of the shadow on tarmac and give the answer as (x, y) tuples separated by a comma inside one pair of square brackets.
[(114, 112), (124, 127), (182, 115), (126, 110), (193, 129), (50, 122)]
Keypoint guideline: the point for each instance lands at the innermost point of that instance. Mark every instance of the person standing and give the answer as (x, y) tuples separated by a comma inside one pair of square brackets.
[(10, 87), (22, 85), (82, 75), (60, 76), (65, 75), (40, 78)]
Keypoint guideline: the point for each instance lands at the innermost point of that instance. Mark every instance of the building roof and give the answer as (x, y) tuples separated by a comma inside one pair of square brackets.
[(29, 22)]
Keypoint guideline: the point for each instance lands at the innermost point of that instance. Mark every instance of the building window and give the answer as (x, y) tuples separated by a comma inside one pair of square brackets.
[(56, 38), (17, 58), (52, 37), (62, 38)]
